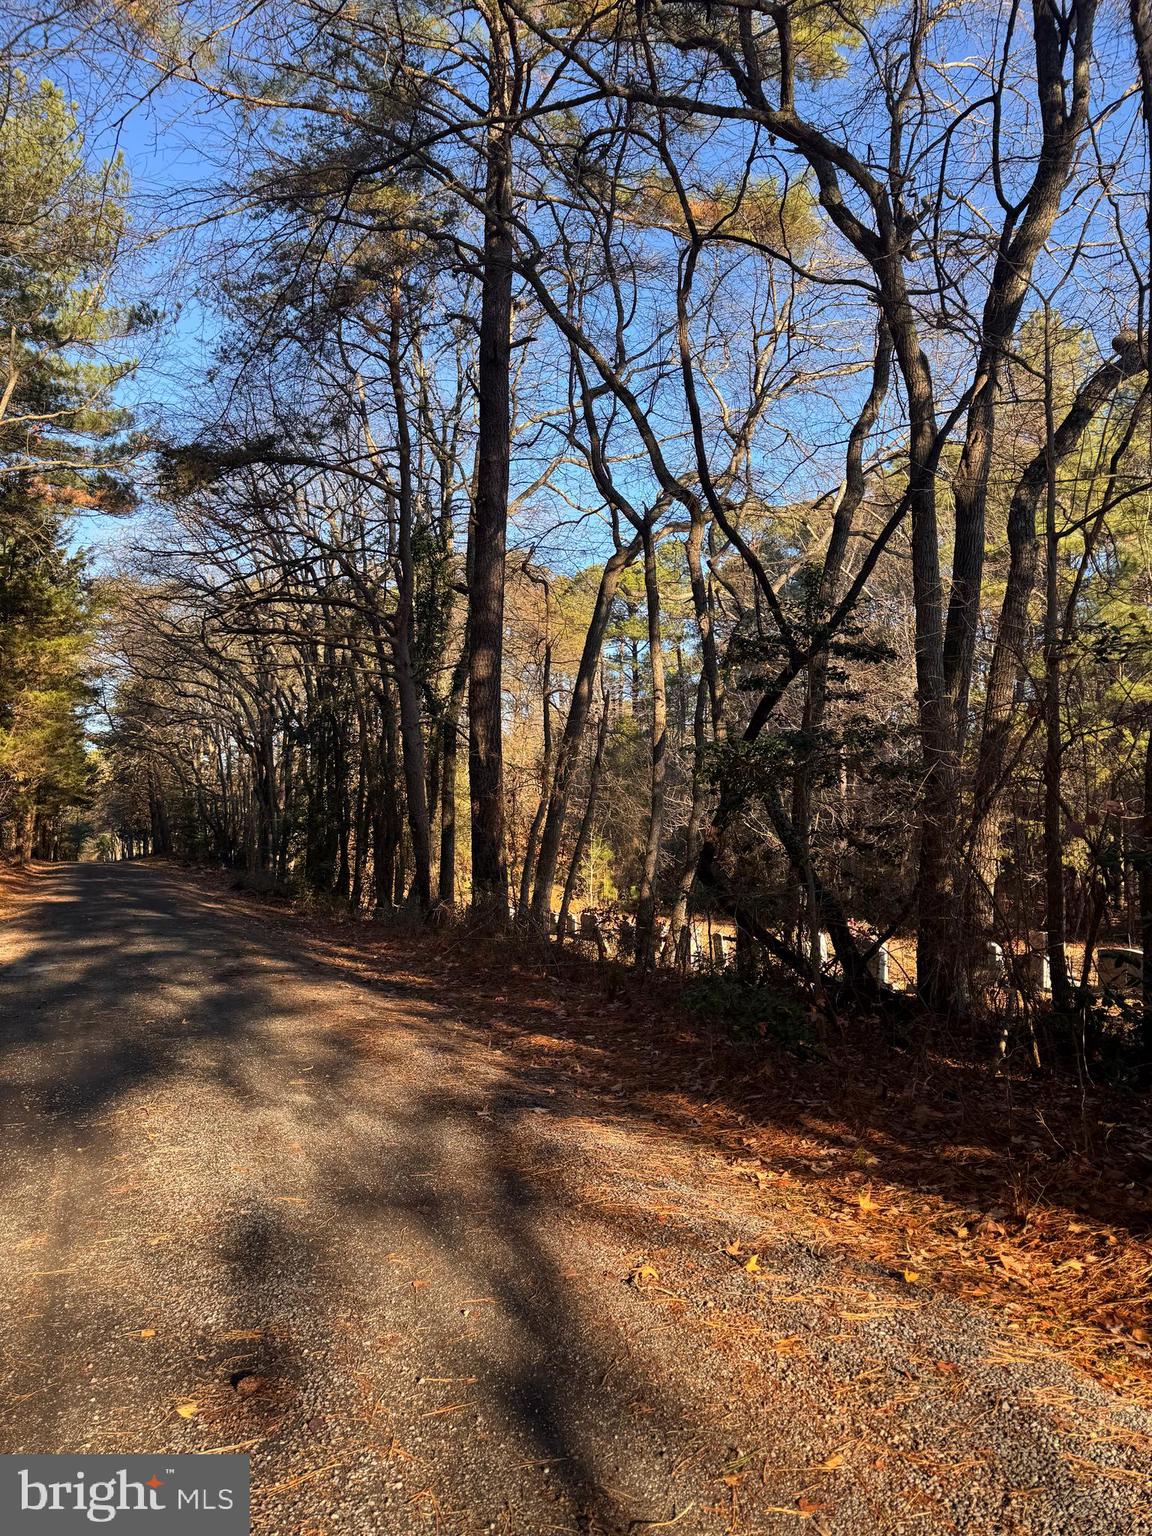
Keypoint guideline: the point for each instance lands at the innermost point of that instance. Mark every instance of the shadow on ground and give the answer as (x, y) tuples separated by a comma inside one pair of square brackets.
[(430, 1084), (129, 988)]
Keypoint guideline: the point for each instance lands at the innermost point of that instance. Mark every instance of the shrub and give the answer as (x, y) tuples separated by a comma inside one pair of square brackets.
[(751, 1011)]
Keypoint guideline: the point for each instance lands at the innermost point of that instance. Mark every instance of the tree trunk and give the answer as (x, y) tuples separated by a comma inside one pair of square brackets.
[(27, 835), (385, 815), (694, 831), (486, 589), (657, 757), (568, 750), (1145, 872), (1010, 651), (945, 650), (816, 692), (446, 883), (585, 829), (533, 837), (1053, 743), (411, 735), (707, 713)]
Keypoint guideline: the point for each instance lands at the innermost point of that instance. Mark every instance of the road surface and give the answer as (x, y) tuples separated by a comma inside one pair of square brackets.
[(252, 1201)]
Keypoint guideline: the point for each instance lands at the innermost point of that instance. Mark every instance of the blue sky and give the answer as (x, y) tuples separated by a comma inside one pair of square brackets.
[(175, 143), (166, 140)]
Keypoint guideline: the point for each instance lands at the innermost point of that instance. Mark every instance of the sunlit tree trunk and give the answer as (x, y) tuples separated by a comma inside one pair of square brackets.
[(657, 756), (584, 832), (568, 748)]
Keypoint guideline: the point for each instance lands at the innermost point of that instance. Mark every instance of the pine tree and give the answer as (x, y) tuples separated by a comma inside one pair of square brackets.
[(63, 439)]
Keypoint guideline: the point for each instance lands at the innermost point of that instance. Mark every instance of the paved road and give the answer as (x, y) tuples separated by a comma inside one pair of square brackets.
[(432, 1284)]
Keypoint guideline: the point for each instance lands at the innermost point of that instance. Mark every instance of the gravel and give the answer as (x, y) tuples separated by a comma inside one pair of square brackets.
[(473, 1298)]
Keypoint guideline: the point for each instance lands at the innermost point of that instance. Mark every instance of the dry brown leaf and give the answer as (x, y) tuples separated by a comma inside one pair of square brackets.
[(1012, 1263)]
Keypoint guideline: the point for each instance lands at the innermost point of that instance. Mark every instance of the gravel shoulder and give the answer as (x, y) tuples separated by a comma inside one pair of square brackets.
[(432, 1279)]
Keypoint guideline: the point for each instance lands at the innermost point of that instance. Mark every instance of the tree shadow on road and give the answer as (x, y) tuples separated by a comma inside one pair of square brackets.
[(418, 1109), (142, 999)]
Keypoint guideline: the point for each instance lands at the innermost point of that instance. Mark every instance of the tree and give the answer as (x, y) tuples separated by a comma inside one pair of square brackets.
[(61, 439)]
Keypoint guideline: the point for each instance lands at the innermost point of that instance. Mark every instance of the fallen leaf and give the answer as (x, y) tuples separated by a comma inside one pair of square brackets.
[(834, 1461), (866, 1201), (911, 1276), (751, 1264), (1012, 1263), (146, 1333), (733, 1248), (643, 1274), (187, 1410)]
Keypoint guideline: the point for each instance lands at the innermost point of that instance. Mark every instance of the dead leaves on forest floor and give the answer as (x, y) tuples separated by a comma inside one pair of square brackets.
[(1030, 1197), (15, 887)]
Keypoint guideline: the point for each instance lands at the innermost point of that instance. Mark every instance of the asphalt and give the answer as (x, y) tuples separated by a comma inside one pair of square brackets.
[(249, 1203)]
